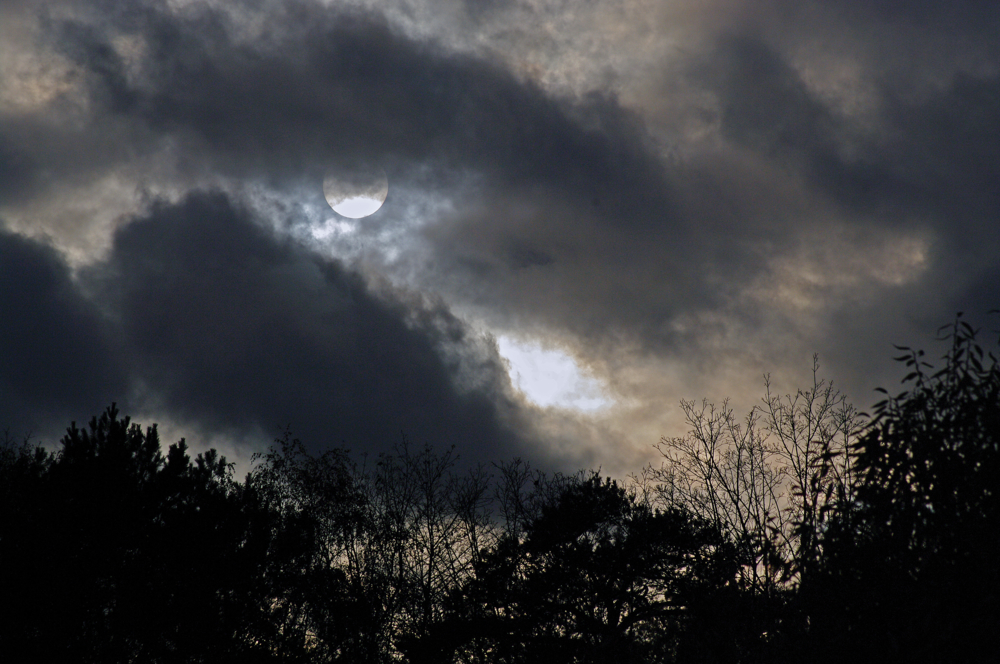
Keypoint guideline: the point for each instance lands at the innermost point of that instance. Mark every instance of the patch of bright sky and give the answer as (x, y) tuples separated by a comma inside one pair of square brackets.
[(550, 377)]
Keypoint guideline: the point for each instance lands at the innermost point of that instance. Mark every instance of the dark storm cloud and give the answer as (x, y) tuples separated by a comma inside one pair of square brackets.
[(570, 187), (927, 162), (926, 152), (764, 103), (933, 162), (321, 83), (947, 146), (977, 16), (934, 156), (58, 358), (201, 314), (232, 328), (577, 220), (787, 221), (324, 84), (224, 328), (16, 171)]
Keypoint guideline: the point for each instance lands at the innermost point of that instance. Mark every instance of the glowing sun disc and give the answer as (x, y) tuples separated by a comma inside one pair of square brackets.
[(357, 207), (358, 194)]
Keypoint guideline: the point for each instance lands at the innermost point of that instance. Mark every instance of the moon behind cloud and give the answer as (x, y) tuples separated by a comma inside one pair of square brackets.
[(356, 194)]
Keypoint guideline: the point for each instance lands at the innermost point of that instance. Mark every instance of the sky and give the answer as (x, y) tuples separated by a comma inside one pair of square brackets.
[(595, 210)]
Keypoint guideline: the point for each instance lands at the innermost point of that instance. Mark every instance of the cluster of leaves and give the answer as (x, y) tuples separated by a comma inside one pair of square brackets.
[(874, 535), (800, 532), (910, 565), (113, 552)]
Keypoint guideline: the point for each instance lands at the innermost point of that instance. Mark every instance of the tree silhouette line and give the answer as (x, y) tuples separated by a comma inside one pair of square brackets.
[(805, 531)]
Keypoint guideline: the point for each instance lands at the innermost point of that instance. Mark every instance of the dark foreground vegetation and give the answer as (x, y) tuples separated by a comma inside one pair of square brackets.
[(802, 532)]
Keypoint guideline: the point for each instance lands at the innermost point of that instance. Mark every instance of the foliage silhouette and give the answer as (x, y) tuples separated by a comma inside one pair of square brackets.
[(769, 480), (769, 483), (380, 545), (910, 566), (794, 534), (113, 552), (599, 576)]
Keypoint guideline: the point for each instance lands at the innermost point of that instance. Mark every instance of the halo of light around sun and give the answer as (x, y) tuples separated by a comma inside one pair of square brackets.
[(357, 193)]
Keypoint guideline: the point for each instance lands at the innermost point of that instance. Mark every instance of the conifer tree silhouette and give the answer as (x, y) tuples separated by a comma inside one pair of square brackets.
[(113, 552)]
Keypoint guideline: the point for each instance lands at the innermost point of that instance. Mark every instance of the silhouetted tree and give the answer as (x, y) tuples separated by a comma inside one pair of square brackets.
[(378, 547), (112, 552), (768, 480), (757, 540), (910, 567), (598, 576)]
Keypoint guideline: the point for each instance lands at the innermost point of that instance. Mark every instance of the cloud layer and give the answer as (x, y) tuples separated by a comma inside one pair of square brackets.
[(679, 198)]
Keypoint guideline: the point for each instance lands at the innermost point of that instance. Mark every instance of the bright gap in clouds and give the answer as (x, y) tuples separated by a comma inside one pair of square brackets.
[(550, 377)]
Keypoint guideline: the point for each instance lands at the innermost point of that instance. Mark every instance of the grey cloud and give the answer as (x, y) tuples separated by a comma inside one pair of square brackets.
[(235, 329), (59, 357), (16, 172), (926, 164), (948, 147), (344, 85), (89, 45), (935, 157), (961, 15), (759, 235), (930, 153), (764, 103), (208, 337)]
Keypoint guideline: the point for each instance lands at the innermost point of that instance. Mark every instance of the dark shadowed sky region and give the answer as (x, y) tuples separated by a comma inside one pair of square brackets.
[(595, 210)]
